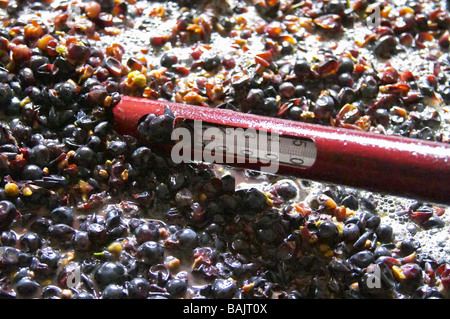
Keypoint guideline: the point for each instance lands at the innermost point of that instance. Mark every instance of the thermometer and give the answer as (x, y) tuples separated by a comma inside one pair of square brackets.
[(401, 166)]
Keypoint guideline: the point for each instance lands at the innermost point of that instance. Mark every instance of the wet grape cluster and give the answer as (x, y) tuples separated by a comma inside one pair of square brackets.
[(86, 213)]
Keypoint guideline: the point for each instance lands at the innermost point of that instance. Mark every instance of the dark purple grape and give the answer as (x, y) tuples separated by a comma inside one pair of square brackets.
[(40, 155), (176, 287), (147, 232), (142, 158), (66, 92), (346, 65), (84, 156), (27, 287), (254, 99), (8, 213), (187, 239), (97, 233), (61, 232), (168, 60), (83, 295), (286, 190), (254, 200), (8, 238), (9, 258), (110, 273), (81, 242), (30, 242), (386, 46), (114, 292), (157, 128), (138, 288), (32, 172), (211, 62), (351, 232), (51, 292), (324, 107), (6, 94), (50, 257), (224, 289), (362, 259), (327, 232), (150, 252), (62, 215)]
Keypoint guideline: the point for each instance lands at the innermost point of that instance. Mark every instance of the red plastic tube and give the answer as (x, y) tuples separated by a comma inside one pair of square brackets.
[(405, 167)]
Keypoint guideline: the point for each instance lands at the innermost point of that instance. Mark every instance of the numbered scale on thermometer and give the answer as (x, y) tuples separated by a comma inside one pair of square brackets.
[(250, 145)]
